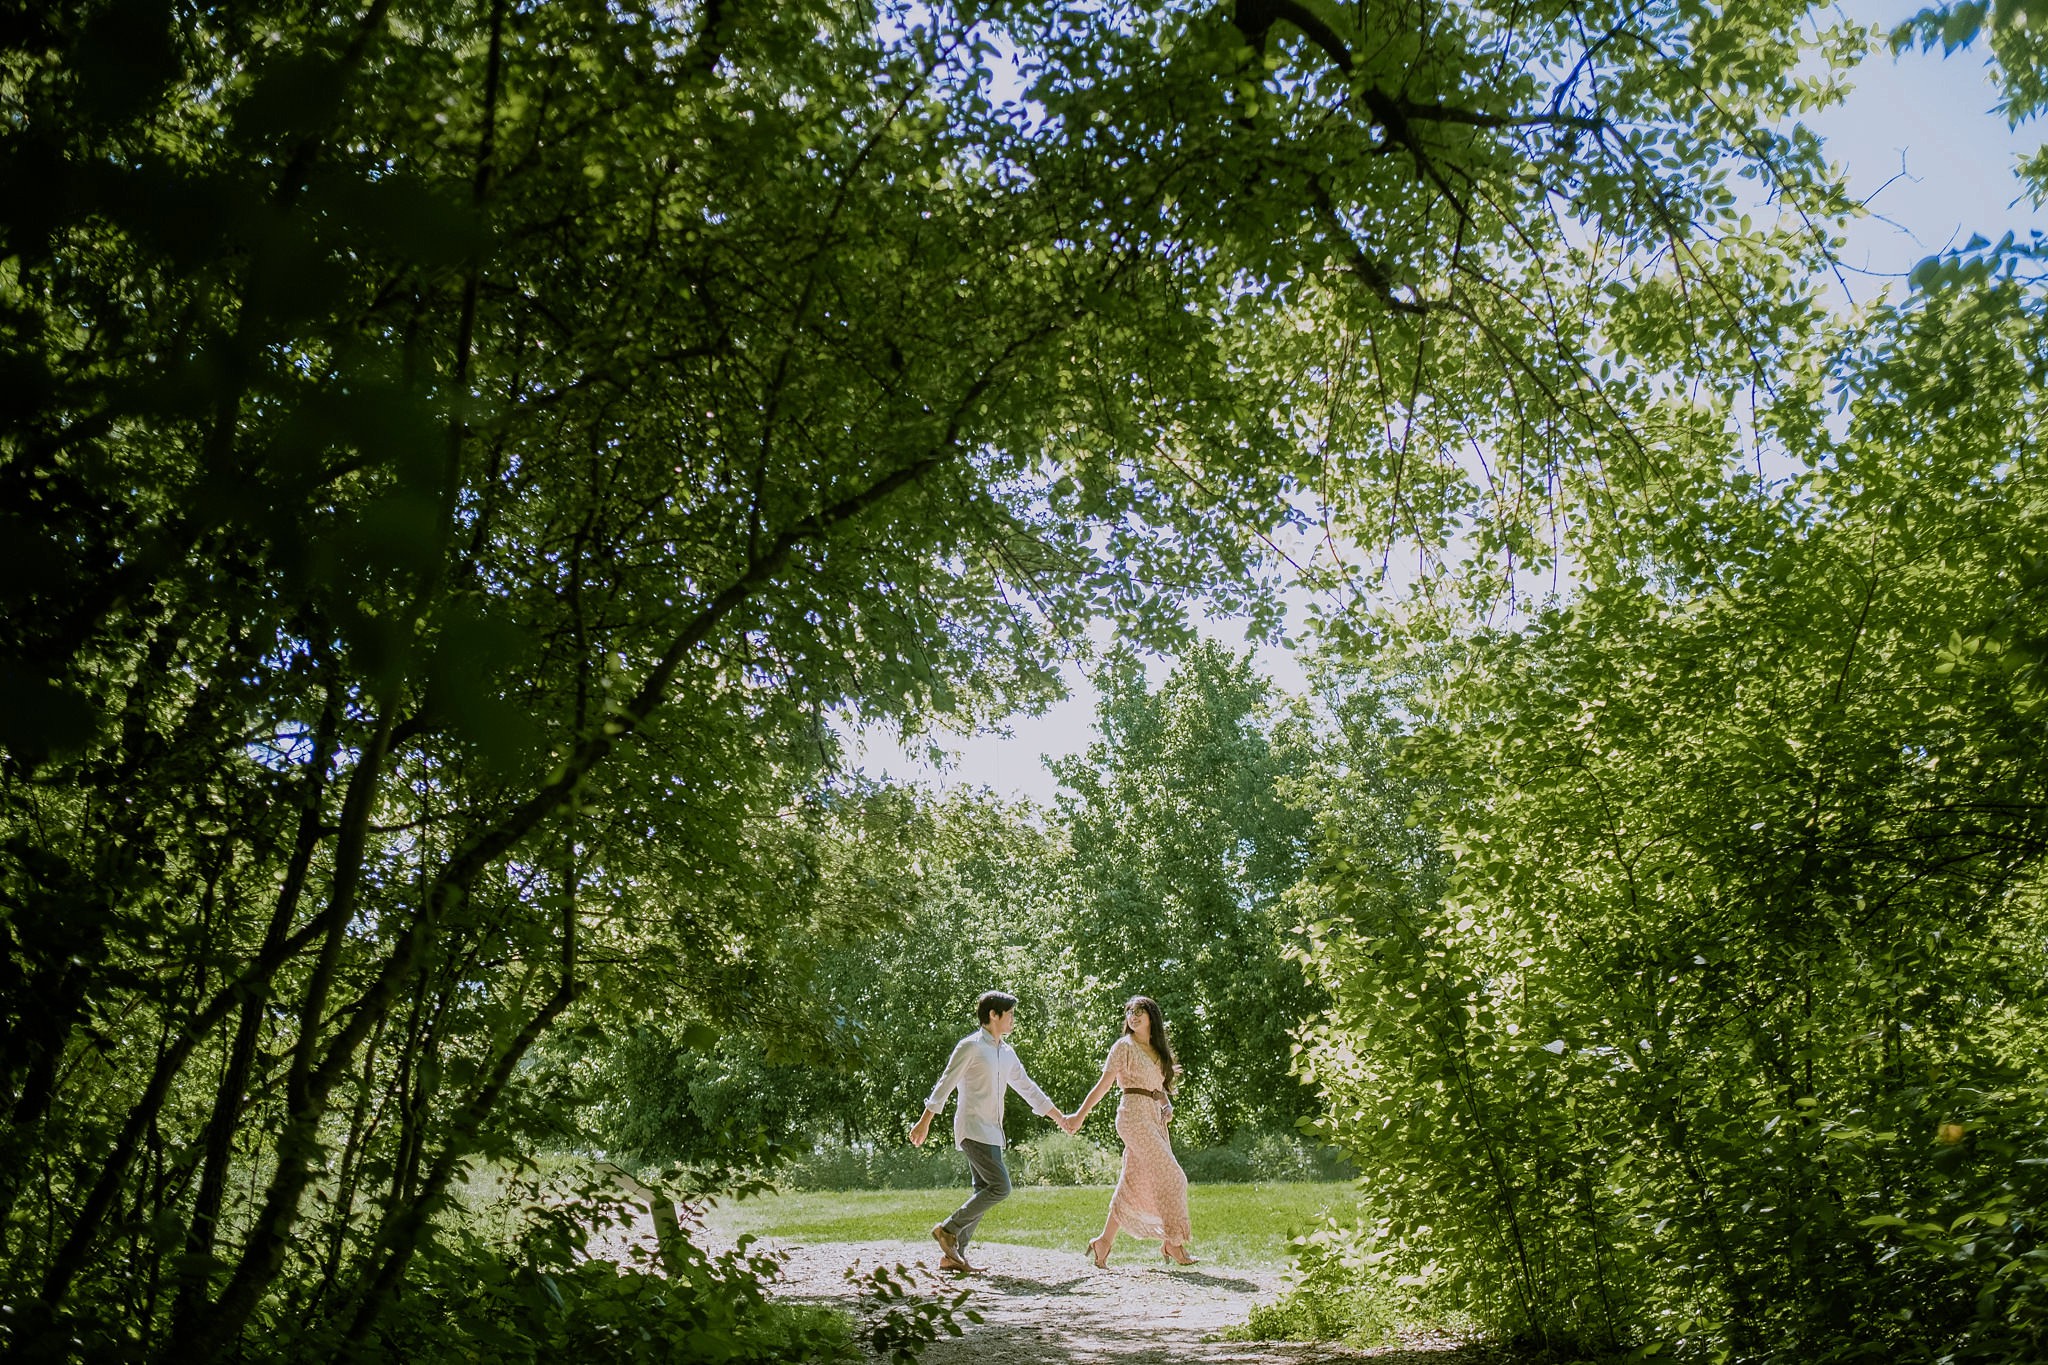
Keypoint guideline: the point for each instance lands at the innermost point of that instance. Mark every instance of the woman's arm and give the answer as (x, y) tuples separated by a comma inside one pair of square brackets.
[(1109, 1070)]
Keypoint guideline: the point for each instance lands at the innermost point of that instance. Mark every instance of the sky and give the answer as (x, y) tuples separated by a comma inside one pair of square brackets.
[(1920, 143), (1928, 121)]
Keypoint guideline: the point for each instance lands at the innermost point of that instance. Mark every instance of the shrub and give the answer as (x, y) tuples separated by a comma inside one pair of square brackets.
[(1055, 1159), (507, 1282), (871, 1166), (1266, 1157), (1327, 1301), (474, 1304), (1059, 1159)]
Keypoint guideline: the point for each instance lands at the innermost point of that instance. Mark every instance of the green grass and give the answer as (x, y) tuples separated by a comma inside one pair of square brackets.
[(1241, 1225)]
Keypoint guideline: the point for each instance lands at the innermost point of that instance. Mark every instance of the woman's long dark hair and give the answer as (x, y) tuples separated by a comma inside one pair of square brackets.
[(1160, 1047)]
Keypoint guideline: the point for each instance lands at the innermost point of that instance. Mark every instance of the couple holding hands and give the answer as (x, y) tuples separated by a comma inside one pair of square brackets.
[(1151, 1196)]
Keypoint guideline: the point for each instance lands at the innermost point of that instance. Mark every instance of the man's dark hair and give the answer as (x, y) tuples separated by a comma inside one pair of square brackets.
[(993, 1002)]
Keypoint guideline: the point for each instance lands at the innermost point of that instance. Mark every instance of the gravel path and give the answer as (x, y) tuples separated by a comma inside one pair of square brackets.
[(1055, 1308)]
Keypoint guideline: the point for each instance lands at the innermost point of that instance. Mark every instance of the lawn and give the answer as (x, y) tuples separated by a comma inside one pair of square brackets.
[(1242, 1225)]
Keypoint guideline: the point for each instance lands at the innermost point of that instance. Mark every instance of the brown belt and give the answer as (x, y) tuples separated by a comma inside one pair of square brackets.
[(1148, 1094)]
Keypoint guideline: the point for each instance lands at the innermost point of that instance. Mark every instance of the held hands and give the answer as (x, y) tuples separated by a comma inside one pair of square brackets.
[(921, 1130), (1070, 1124)]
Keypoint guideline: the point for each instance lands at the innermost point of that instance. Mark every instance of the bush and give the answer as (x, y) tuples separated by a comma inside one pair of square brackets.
[(468, 1306), (1347, 1287), (1055, 1159), (1327, 1301), (1058, 1159), (1264, 1157), (506, 1283), (870, 1166)]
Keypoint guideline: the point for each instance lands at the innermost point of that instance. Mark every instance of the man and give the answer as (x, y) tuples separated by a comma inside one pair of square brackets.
[(982, 1067)]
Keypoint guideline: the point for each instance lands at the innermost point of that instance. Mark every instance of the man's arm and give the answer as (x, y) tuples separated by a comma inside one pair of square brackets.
[(949, 1081), (1020, 1081)]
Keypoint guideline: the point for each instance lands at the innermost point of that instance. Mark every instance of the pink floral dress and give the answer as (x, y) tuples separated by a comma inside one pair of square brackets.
[(1151, 1198)]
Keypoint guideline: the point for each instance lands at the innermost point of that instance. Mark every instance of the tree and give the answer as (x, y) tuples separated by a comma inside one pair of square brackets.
[(1720, 1022), (921, 904), (467, 452), (1180, 845), (455, 455)]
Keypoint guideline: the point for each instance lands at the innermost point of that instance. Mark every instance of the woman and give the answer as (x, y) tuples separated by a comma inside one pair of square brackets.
[(1151, 1198)]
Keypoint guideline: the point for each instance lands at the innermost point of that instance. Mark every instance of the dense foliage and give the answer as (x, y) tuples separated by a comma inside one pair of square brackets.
[(1180, 848), (457, 458), (1160, 872), (1686, 938)]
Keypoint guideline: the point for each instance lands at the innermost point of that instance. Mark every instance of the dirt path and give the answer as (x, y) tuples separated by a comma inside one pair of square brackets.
[(1055, 1308)]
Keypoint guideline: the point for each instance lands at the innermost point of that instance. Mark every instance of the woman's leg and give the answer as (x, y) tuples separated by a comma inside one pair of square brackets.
[(1099, 1248)]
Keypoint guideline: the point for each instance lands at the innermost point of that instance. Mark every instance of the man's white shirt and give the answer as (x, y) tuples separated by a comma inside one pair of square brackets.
[(981, 1069)]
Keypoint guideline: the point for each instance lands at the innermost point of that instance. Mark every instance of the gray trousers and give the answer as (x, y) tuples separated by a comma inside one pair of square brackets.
[(991, 1187)]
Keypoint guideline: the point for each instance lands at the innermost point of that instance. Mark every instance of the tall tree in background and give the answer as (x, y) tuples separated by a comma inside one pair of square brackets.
[(932, 902), (1180, 847)]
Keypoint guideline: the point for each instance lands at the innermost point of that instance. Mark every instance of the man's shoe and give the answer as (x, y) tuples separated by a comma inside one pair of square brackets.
[(949, 1244), (955, 1265)]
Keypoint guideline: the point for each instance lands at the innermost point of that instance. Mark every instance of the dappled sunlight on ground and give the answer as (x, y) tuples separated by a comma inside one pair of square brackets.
[(1045, 1307)]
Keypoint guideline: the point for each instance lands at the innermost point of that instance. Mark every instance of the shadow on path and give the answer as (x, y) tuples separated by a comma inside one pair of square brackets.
[(1212, 1280), (1043, 1307), (1019, 1284)]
